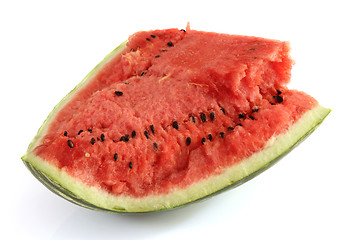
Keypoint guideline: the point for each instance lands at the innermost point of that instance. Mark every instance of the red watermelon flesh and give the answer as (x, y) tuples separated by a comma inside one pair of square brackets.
[(174, 107)]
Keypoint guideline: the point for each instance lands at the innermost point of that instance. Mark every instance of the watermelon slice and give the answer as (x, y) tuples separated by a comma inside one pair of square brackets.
[(171, 117)]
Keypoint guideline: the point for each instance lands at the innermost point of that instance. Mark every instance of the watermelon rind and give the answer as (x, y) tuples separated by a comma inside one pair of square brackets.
[(73, 190)]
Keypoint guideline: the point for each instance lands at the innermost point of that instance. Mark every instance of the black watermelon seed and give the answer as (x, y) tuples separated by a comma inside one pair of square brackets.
[(222, 134), (125, 138), (239, 124), (133, 134), (132, 50), (192, 118), (92, 141), (153, 36), (148, 39), (157, 56), (116, 156), (278, 99), (65, 133), (203, 117), (142, 74), (272, 103), (152, 129), (183, 30), (70, 143), (255, 110), (146, 134), (118, 93), (230, 128), (90, 130), (278, 91), (188, 141), (170, 44), (155, 145), (175, 125), (130, 165), (241, 115), (102, 137), (203, 141), (210, 137), (212, 116), (251, 117), (80, 132), (223, 110)]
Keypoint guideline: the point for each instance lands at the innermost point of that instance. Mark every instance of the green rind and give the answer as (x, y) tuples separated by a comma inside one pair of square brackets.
[(67, 187)]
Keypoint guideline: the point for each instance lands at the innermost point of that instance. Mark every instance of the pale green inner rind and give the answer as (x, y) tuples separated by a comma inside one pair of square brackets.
[(42, 130), (275, 147)]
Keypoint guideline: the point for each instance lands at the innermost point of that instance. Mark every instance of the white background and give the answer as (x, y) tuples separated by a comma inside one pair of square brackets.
[(47, 47)]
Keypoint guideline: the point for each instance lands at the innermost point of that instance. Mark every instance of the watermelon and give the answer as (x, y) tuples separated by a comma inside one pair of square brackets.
[(171, 117)]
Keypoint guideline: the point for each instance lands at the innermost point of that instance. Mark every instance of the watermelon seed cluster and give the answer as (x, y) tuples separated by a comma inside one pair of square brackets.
[(125, 138), (277, 97), (203, 117), (175, 125), (152, 36)]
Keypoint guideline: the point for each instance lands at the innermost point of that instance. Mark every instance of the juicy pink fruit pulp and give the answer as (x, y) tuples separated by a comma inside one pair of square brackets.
[(129, 143)]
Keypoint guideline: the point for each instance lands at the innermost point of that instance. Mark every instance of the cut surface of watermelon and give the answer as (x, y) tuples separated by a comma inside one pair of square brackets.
[(170, 117)]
